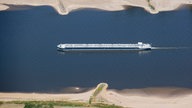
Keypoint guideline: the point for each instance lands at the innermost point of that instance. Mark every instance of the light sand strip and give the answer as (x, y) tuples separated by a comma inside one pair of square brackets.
[(134, 98), (63, 7)]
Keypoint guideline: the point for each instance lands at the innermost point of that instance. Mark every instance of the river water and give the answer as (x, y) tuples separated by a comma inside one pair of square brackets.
[(30, 62)]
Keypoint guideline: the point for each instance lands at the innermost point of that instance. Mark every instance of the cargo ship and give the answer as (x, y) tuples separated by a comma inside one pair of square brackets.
[(104, 47)]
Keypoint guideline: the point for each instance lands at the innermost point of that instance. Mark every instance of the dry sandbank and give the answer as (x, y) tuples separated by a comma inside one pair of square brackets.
[(63, 7), (134, 98)]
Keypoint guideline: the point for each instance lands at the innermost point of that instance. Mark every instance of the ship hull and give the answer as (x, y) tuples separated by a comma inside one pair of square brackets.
[(102, 49)]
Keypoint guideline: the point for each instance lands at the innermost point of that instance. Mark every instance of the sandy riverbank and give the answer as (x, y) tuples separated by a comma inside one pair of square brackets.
[(63, 7), (134, 98)]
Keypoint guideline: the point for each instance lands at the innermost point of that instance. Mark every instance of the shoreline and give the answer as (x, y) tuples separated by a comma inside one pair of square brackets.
[(137, 98), (63, 7)]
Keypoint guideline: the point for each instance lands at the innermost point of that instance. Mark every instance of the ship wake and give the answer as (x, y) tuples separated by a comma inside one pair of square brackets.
[(169, 48)]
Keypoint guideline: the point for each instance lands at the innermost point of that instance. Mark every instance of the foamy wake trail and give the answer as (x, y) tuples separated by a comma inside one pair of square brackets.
[(169, 48)]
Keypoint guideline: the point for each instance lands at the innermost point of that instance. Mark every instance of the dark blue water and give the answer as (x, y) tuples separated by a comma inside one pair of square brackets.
[(30, 62)]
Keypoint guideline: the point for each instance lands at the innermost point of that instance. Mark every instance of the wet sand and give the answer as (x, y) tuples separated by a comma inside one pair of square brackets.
[(63, 7)]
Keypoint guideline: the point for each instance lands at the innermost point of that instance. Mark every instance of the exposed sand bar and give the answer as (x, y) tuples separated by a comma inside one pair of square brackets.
[(82, 97), (149, 100), (63, 7), (134, 98)]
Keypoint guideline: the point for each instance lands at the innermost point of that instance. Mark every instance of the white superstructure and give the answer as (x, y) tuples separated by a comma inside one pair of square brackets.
[(138, 46)]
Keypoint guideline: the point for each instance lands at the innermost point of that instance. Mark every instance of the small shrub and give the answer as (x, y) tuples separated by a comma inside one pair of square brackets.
[(101, 105), (1, 103), (152, 7), (37, 105), (51, 104)]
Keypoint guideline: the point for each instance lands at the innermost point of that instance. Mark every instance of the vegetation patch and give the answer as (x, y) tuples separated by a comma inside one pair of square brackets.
[(96, 92), (1, 103), (48, 104), (29, 105), (150, 5), (51, 104), (101, 105)]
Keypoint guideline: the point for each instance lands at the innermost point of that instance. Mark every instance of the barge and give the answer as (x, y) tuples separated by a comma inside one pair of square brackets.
[(103, 47)]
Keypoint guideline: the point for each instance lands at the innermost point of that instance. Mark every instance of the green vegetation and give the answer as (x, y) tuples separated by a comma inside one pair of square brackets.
[(90, 99), (51, 104), (100, 105), (48, 104), (29, 105), (1, 103), (96, 92), (150, 5)]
